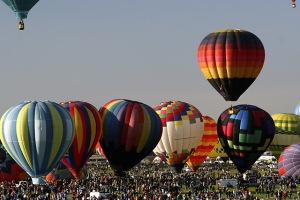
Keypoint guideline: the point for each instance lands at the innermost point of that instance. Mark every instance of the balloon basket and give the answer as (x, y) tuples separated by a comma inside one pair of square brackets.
[(119, 173), (37, 181)]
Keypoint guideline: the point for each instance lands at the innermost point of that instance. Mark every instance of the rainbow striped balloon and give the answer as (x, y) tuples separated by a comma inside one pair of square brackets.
[(206, 145), (131, 130), (37, 134), (88, 130)]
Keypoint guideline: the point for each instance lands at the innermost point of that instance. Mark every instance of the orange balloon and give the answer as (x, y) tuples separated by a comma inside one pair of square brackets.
[(206, 145)]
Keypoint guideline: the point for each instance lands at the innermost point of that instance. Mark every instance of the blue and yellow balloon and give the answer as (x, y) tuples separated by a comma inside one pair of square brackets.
[(37, 135)]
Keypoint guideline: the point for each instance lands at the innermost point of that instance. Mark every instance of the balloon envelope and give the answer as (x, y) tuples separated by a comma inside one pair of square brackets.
[(20, 7), (9, 169), (286, 132), (131, 130), (206, 145), (218, 151), (183, 128), (99, 149), (289, 161), (297, 109), (88, 130), (62, 172), (37, 134), (231, 60), (245, 134)]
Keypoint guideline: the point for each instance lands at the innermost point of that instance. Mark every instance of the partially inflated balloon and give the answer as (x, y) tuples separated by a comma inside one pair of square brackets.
[(88, 130), (218, 151), (131, 130), (231, 60), (9, 169), (286, 132), (61, 172), (183, 128), (297, 109), (289, 161), (206, 145), (245, 134), (37, 134), (99, 149)]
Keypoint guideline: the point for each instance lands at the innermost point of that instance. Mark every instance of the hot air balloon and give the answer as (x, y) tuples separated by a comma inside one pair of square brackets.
[(289, 161), (206, 145), (21, 9), (218, 151), (293, 4), (62, 172), (286, 132), (245, 134), (88, 130), (99, 150), (37, 134), (183, 128), (231, 60), (297, 109), (131, 130), (9, 169)]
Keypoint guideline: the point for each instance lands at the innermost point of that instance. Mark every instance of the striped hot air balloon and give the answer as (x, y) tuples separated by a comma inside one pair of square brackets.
[(131, 130), (37, 134), (286, 132), (245, 134), (206, 145), (231, 60), (183, 128), (88, 130)]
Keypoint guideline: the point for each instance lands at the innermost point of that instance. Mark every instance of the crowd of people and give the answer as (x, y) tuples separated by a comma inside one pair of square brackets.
[(156, 182)]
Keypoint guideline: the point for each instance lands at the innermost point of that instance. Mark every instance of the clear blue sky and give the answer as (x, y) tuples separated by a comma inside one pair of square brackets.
[(143, 50)]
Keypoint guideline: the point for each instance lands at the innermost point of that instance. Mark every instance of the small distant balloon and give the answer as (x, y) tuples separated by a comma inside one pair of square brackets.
[(21, 9), (297, 109), (293, 3)]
